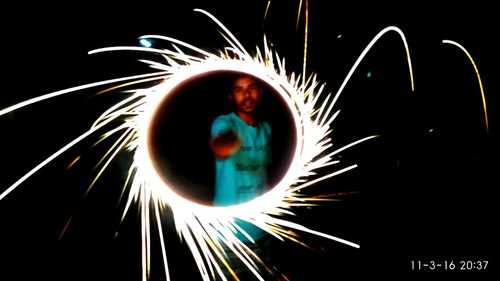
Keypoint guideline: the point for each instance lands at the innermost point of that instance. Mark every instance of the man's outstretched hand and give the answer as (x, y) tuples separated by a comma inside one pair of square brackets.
[(225, 144)]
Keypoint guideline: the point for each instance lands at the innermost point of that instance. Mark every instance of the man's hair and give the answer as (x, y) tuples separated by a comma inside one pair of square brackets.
[(237, 75)]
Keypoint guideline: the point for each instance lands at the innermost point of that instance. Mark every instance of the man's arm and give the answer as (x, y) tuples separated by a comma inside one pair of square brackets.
[(224, 141)]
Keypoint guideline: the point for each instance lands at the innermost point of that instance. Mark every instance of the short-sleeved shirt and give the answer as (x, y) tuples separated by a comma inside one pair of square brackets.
[(242, 176)]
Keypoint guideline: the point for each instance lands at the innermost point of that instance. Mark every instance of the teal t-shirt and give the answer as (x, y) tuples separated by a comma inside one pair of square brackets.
[(242, 176)]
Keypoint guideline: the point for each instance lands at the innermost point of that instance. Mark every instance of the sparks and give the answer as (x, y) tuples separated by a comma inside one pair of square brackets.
[(209, 231), (486, 123)]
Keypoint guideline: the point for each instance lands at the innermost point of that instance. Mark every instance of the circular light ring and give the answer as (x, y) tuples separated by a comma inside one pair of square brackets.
[(161, 92)]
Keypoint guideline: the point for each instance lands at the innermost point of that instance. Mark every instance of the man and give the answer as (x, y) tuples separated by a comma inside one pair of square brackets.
[(241, 144)]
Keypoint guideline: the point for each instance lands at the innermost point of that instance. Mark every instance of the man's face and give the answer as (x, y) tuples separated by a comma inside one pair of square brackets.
[(246, 94)]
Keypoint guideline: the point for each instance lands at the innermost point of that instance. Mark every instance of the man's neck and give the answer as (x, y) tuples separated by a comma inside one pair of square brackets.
[(249, 118)]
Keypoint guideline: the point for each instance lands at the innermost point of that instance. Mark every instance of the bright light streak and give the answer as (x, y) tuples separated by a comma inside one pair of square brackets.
[(478, 80), (208, 231), (367, 49)]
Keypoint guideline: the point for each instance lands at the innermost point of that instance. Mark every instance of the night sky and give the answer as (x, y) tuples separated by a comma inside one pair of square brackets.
[(423, 189)]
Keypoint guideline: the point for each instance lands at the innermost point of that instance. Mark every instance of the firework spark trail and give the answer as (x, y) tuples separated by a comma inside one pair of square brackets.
[(52, 157), (83, 136), (208, 231), (306, 32), (71, 90), (117, 147), (478, 80), (265, 12), (367, 49)]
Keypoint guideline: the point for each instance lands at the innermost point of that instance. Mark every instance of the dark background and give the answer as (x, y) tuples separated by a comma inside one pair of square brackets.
[(423, 189)]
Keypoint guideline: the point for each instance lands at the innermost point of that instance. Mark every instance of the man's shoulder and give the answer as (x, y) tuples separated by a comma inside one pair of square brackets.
[(222, 123), (225, 118)]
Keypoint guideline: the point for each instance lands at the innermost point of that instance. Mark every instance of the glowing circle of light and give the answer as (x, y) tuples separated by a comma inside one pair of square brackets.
[(169, 88), (208, 230), (146, 153)]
